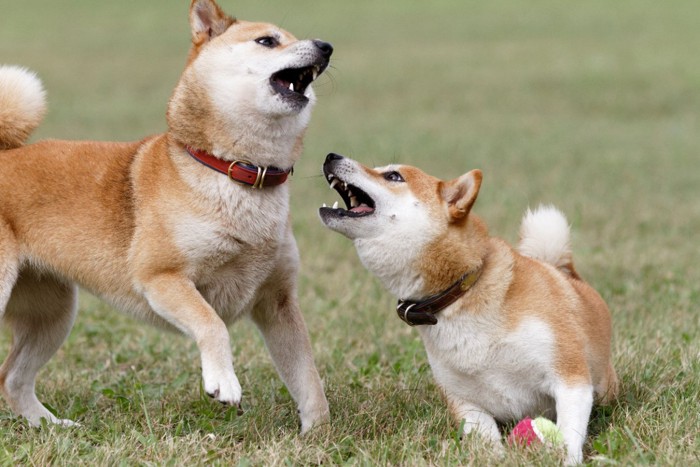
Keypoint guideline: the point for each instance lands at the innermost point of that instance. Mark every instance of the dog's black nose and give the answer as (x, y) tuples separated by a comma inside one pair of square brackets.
[(325, 47), (333, 157)]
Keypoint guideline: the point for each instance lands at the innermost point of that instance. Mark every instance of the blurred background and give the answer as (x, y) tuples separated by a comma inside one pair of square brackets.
[(592, 106)]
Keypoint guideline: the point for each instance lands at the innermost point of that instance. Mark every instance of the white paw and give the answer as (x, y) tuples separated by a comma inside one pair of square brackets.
[(574, 459), (498, 449), (317, 417), (35, 420), (67, 423), (222, 386)]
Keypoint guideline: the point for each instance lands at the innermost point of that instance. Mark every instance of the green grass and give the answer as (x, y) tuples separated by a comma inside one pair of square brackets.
[(590, 105)]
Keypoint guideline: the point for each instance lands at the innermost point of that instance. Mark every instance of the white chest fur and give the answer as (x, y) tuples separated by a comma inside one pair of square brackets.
[(232, 240), (475, 359)]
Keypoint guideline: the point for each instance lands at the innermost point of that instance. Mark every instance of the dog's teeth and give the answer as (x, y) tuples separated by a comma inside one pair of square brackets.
[(315, 74), (353, 201), (291, 86), (324, 205), (334, 182), (335, 205), (345, 185)]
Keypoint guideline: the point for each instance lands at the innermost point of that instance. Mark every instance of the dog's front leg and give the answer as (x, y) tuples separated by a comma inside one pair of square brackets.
[(282, 325), (573, 403), (476, 420), (176, 299)]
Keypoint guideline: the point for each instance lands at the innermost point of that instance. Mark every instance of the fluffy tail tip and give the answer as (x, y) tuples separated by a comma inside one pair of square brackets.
[(545, 235), (22, 105)]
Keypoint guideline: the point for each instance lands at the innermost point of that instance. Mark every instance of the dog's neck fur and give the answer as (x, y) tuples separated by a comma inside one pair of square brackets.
[(461, 249), (194, 121)]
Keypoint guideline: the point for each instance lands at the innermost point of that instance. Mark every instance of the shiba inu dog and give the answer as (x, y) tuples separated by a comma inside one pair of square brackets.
[(188, 230), (508, 333)]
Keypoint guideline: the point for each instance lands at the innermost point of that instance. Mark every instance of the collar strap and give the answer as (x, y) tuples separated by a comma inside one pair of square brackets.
[(423, 311), (242, 171)]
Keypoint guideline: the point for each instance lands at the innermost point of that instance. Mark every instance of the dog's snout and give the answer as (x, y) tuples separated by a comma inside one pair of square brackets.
[(325, 47), (333, 157)]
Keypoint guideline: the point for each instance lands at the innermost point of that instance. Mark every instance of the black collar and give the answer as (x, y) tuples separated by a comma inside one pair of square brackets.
[(423, 311)]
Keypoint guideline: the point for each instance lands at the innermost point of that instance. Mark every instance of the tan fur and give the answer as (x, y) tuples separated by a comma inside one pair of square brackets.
[(529, 338), (157, 234), (575, 311), (535, 288)]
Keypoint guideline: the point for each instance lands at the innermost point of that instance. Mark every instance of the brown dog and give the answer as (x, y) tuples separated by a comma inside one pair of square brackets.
[(509, 333), (188, 230)]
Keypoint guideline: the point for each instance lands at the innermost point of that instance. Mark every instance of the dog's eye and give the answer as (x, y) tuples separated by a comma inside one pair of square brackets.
[(393, 176), (267, 41)]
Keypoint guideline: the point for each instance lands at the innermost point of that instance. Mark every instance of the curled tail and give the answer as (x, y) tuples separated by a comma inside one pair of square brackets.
[(544, 235), (22, 105)]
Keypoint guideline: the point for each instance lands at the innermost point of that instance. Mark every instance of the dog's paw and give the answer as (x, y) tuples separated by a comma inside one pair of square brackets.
[(320, 415), (67, 423), (498, 449), (37, 420), (574, 458), (225, 388)]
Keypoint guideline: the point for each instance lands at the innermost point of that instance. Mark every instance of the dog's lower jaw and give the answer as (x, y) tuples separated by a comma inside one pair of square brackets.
[(294, 105)]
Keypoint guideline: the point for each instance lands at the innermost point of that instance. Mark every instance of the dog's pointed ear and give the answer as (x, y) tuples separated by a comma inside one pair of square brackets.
[(207, 20), (460, 194)]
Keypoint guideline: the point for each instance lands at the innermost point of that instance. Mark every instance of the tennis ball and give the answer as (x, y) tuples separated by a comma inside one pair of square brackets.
[(539, 431)]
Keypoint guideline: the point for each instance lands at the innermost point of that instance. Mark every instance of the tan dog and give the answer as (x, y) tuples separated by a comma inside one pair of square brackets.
[(509, 334), (153, 227)]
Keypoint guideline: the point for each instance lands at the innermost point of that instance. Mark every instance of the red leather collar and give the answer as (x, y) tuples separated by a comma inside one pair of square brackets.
[(242, 171)]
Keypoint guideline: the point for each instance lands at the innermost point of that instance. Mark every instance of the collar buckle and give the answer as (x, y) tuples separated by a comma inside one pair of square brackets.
[(259, 178), (241, 170)]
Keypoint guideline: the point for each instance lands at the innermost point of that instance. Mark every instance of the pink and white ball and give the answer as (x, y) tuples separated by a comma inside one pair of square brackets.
[(538, 431)]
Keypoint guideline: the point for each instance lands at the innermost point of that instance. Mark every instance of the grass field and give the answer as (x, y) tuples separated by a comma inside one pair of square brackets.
[(589, 105)]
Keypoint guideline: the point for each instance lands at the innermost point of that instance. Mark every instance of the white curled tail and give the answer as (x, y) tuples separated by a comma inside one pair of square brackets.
[(22, 105), (545, 235)]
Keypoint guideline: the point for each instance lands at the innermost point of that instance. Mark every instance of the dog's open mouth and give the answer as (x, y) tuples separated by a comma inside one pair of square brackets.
[(357, 202), (293, 82)]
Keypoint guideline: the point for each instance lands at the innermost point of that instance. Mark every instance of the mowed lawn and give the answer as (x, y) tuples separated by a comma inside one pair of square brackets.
[(592, 106)]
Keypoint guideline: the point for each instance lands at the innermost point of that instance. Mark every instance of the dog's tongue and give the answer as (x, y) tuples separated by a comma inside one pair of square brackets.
[(361, 209), (283, 82)]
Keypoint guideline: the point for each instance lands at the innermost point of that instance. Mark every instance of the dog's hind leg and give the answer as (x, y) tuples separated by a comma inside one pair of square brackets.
[(608, 388), (9, 265), (40, 313), (282, 325), (573, 404)]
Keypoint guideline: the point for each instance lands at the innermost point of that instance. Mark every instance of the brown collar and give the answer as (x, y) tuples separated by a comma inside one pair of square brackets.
[(241, 170), (423, 311)]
